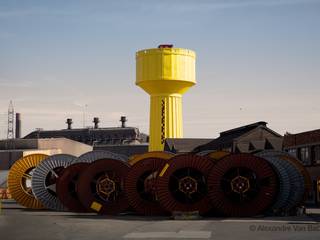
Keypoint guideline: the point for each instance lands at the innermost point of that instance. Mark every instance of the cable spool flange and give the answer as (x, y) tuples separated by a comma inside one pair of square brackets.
[(92, 156), (100, 187), (305, 174), (19, 180), (215, 155), (284, 201), (140, 186), (66, 187), (155, 154), (242, 185), (301, 181), (45, 177), (205, 152), (182, 184)]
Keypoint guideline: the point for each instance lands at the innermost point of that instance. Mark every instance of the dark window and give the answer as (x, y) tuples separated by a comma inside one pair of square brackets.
[(293, 152), (305, 156), (316, 154)]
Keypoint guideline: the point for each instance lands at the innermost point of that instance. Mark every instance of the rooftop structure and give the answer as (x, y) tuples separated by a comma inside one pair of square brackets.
[(94, 135)]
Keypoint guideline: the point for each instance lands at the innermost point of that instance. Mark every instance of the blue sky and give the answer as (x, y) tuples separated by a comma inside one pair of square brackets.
[(256, 60)]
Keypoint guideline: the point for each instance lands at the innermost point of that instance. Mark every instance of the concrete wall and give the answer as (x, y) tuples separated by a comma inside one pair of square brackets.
[(64, 145), (12, 150)]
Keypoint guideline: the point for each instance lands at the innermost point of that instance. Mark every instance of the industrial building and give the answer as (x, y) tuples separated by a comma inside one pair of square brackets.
[(13, 149), (306, 147), (95, 135)]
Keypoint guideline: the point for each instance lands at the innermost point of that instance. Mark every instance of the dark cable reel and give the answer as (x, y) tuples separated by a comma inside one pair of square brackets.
[(242, 185), (140, 186), (100, 187), (66, 187), (297, 183), (182, 184)]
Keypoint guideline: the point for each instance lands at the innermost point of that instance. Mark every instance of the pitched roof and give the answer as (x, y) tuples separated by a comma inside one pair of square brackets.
[(226, 138), (184, 144), (303, 138)]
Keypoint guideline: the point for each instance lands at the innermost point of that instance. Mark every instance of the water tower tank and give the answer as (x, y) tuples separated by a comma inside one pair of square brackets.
[(165, 73)]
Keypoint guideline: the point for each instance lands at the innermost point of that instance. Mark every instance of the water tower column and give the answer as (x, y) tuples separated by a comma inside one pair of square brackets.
[(165, 119)]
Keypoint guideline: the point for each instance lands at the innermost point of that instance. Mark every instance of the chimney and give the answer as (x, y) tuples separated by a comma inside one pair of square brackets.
[(123, 120), (69, 123), (96, 122), (18, 125)]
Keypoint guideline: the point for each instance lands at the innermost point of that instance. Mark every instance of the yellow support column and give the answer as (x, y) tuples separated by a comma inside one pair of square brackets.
[(165, 73)]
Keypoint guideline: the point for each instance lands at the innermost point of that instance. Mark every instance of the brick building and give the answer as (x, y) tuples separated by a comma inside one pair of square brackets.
[(306, 147)]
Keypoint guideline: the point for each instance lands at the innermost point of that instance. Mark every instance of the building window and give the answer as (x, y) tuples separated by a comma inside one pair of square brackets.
[(305, 156), (293, 152), (316, 154)]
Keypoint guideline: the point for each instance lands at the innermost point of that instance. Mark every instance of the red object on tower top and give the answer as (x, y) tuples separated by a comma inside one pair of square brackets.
[(165, 46)]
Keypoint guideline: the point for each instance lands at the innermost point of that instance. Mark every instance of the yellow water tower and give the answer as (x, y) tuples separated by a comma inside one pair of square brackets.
[(165, 73)]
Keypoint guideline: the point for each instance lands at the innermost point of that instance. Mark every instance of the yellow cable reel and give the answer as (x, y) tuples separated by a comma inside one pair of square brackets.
[(19, 180)]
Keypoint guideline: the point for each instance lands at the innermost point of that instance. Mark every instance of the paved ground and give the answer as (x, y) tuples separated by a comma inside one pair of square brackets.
[(19, 223)]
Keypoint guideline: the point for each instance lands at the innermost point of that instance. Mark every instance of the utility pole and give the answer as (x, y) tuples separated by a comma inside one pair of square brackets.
[(10, 133)]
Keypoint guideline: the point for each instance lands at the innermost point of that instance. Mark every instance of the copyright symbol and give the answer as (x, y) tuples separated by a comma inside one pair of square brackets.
[(252, 228)]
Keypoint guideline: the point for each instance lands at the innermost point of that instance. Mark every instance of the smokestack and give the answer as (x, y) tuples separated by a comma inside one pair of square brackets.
[(18, 125), (123, 120), (96, 122), (69, 123)]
